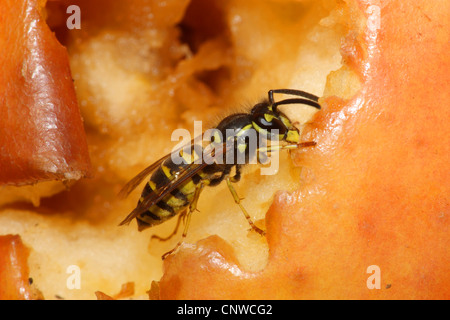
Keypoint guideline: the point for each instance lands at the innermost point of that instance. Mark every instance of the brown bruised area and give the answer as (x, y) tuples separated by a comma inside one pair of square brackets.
[(372, 192), (41, 132)]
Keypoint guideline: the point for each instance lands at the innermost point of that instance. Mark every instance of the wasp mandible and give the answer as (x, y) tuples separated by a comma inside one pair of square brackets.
[(174, 187)]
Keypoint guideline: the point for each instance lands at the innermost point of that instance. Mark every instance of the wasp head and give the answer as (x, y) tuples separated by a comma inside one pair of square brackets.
[(273, 124)]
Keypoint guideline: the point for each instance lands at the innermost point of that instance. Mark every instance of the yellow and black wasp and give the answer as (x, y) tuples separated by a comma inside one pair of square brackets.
[(175, 186)]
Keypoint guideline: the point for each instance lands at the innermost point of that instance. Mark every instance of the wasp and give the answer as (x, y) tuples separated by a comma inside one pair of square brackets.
[(174, 186)]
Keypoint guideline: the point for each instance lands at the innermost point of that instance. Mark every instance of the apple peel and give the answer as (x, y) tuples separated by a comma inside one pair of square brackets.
[(41, 131)]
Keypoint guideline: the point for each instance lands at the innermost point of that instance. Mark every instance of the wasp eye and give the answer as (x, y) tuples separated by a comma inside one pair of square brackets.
[(274, 123)]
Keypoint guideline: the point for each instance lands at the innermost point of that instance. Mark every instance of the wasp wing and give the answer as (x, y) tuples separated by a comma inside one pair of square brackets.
[(159, 194), (181, 178), (133, 183)]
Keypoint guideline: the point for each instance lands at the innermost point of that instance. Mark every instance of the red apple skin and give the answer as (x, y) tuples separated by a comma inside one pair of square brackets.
[(14, 274), (41, 130), (380, 186)]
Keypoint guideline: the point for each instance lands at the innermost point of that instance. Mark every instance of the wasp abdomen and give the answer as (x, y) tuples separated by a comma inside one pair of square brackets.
[(174, 203)]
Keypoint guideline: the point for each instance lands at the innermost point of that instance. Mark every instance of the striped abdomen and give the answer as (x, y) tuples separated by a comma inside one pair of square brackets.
[(174, 203)]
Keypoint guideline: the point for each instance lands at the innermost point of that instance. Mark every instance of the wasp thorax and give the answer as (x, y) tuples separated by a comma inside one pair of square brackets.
[(237, 146)]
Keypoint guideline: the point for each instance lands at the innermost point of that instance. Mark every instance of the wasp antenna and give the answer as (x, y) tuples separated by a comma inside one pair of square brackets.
[(295, 101), (293, 92)]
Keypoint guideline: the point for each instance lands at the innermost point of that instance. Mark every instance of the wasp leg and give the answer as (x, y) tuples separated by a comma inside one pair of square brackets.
[(174, 232), (289, 146), (237, 175), (187, 216), (238, 202), (262, 152)]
